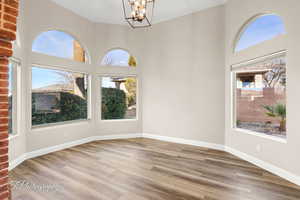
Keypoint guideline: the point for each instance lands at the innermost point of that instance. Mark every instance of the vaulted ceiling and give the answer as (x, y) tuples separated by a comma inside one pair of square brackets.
[(111, 11)]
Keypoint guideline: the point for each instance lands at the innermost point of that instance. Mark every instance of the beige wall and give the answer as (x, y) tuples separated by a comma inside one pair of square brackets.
[(277, 153), (183, 77), (39, 16), (175, 75), (182, 67)]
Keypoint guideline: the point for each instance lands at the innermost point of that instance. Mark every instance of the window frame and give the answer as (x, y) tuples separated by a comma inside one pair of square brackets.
[(87, 55), (244, 28), (118, 66), (100, 77), (70, 122), (233, 94), (16, 96)]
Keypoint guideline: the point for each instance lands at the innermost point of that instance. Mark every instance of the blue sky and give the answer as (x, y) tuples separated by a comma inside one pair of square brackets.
[(262, 29), (42, 77), (107, 82), (60, 44), (117, 57), (54, 43)]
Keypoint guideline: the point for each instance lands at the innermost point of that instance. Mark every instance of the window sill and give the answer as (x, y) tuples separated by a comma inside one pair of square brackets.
[(262, 135), (60, 124)]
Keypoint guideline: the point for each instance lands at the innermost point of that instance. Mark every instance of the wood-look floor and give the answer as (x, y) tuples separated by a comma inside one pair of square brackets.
[(144, 169)]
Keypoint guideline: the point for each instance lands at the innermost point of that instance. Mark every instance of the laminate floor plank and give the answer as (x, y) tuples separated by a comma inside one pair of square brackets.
[(146, 169)]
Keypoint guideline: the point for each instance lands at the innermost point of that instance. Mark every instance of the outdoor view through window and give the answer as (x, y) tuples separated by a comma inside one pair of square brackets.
[(59, 44), (58, 96), (119, 98), (119, 58), (260, 96), (263, 28)]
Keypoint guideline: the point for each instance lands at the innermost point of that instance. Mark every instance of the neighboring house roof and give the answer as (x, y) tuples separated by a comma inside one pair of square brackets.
[(55, 88)]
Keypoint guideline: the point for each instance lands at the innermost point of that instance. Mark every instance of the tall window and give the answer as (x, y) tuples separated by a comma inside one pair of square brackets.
[(263, 28), (59, 44), (58, 96), (119, 95), (12, 96), (260, 95), (119, 57)]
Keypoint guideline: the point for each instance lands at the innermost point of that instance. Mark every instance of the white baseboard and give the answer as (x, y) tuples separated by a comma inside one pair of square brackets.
[(116, 137), (262, 164), (13, 164), (265, 165), (60, 147), (185, 141)]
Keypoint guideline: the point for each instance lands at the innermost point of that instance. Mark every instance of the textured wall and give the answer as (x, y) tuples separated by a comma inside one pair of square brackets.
[(278, 153), (183, 77)]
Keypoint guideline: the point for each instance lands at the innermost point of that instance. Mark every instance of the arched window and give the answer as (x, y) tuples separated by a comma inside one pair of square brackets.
[(262, 28), (119, 57), (59, 44)]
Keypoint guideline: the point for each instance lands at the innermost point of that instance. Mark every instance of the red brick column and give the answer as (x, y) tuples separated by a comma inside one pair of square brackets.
[(8, 21)]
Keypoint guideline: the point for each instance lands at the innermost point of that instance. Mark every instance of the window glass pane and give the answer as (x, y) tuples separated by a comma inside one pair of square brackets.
[(119, 57), (58, 96), (10, 97), (263, 28), (59, 44), (119, 98), (261, 97)]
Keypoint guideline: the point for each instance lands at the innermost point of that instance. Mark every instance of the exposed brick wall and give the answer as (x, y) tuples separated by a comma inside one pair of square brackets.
[(8, 27)]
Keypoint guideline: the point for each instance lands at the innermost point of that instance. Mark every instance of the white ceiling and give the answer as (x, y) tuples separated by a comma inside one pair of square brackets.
[(111, 11)]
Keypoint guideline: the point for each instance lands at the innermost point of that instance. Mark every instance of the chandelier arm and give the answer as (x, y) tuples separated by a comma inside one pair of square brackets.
[(124, 11), (153, 5), (133, 18)]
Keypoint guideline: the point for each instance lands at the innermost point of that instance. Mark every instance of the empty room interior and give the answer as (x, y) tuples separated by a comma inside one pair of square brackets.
[(149, 100)]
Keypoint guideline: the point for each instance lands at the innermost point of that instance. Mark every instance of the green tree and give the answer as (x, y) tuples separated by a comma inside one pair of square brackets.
[(70, 106), (114, 104), (132, 61), (130, 86)]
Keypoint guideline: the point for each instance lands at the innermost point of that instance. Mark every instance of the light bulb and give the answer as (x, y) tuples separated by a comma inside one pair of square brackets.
[(133, 13)]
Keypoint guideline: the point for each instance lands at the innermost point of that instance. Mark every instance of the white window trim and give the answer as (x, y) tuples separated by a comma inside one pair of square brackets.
[(83, 46), (101, 76), (233, 95), (245, 27), (16, 95), (89, 99), (60, 124), (261, 135)]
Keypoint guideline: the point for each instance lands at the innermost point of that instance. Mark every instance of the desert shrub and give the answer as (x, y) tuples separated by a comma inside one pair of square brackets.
[(114, 104)]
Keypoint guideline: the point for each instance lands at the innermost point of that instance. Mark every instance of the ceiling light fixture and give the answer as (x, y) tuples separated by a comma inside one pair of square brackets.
[(138, 13)]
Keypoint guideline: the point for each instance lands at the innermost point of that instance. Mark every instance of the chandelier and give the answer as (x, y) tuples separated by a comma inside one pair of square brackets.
[(138, 13)]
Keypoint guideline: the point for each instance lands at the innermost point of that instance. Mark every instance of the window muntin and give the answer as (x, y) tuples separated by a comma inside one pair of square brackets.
[(59, 44), (260, 96), (120, 58), (263, 28), (119, 98), (58, 96)]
